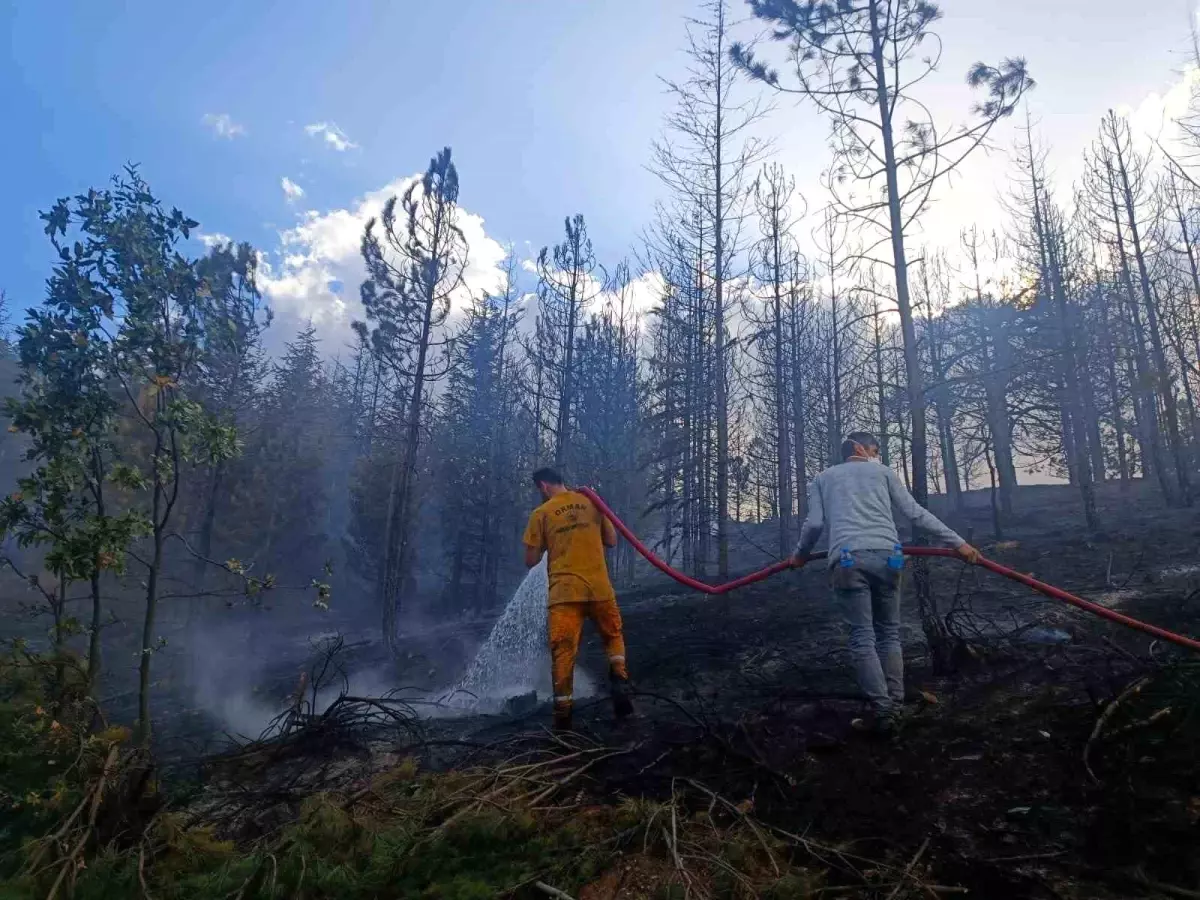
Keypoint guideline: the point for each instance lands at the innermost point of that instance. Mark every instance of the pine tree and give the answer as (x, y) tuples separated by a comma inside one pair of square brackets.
[(610, 398), (290, 454), (230, 372), (569, 280), (705, 160), (773, 262), (483, 435), (858, 61), (415, 266)]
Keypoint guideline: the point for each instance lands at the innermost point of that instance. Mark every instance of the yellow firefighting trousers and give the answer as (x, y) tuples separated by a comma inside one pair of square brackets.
[(566, 627)]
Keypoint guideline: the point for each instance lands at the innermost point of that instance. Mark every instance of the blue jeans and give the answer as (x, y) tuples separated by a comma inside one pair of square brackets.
[(869, 595)]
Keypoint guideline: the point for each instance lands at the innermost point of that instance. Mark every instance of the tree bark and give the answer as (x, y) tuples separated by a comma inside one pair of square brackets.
[(719, 312), (95, 643), (798, 411), (1114, 391), (998, 362), (1074, 406), (1162, 373), (1075, 429), (912, 362), (1145, 406), (562, 442), (142, 733), (880, 390), (783, 450)]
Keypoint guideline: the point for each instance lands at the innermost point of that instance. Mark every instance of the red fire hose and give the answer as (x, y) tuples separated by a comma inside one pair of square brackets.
[(1048, 589)]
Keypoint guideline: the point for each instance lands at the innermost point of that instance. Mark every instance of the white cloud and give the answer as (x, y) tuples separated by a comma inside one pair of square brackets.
[(1156, 113), (223, 126), (291, 189), (332, 135), (642, 294), (318, 266), (216, 239), (646, 292)]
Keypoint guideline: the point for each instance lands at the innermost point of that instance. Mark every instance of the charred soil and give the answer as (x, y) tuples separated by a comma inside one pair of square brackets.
[(1056, 757)]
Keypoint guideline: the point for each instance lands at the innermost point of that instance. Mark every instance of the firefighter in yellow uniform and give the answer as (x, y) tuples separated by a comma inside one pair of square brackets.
[(574, 533)]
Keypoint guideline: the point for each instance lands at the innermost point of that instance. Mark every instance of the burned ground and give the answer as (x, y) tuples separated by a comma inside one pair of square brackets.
[(1057, 759)]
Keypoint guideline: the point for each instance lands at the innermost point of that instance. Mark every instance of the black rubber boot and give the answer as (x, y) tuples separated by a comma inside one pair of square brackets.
[(880, 727), (621, 690), (562, 719)]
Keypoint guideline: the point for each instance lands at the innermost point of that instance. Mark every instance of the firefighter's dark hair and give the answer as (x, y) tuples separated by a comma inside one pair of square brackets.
[(547, 476)]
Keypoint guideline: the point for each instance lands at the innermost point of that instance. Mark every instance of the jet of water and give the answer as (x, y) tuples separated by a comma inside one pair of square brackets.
[(515, 658)]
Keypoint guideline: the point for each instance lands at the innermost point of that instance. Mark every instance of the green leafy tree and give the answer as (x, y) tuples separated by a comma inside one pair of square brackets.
[(151, 300), (68, 414)]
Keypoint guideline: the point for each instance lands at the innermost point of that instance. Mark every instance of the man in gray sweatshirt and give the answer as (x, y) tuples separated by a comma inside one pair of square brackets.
[(853, 503)]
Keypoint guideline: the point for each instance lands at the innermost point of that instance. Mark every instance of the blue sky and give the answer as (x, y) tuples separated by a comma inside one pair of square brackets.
[(550, 107)]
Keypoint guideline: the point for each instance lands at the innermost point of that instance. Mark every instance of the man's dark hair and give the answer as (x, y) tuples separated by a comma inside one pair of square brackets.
[(862, 438), (547, 476)]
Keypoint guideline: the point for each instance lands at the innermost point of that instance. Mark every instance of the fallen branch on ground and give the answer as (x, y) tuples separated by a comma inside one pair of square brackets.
[(1132, 690)]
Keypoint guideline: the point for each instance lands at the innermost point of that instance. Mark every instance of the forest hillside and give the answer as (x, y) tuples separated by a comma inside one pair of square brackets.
[(250, 574)]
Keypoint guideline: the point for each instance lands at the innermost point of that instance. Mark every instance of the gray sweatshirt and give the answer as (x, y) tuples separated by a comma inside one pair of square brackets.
[(853, 503)]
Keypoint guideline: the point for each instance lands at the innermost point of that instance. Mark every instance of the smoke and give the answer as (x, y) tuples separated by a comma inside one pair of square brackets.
[(225, 683), (239, 691), (241, 714), (242, 677)]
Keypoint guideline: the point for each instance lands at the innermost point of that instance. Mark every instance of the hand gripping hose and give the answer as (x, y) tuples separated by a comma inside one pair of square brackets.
[(1048, 589)]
